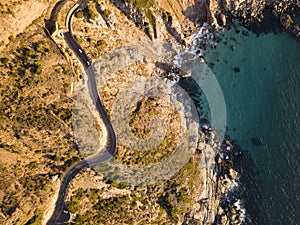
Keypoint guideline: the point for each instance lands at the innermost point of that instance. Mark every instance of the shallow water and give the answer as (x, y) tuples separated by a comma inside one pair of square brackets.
[(260, 80)]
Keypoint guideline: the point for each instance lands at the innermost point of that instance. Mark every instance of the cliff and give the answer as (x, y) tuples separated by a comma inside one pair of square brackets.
[(38, 79)]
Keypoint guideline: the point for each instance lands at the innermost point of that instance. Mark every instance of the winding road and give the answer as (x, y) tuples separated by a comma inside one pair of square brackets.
[(60, 214)]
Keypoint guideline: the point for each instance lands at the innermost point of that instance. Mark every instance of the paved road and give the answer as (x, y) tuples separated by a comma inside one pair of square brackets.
[(56, 9), (59, 215)]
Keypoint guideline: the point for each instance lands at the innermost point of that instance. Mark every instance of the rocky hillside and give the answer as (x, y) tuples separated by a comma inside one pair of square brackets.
[(37, 82), (284, 11), (36, 145), (171, 21)]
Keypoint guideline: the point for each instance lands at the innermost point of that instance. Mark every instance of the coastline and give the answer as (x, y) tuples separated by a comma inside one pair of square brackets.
[(228, 187), (229, 209), (256, 172)]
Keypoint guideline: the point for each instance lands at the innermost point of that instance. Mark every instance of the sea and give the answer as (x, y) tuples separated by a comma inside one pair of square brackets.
[(258, 70)]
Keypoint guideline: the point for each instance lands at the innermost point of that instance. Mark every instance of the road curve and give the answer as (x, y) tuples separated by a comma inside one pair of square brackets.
[(56, 9), (100, 157)]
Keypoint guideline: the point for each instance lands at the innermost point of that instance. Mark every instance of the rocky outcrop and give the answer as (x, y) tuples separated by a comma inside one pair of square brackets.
[(210, 200), (161, 19), (253, 11), (286, 20), (214, 206)]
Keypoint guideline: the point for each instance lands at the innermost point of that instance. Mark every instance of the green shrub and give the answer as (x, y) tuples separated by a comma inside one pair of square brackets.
[(11, 38), (79, 14), (73, 205), (78, 38), (91, 14), (4, 60), (36, 219), (100, 45), (106, 12), (151, 18)]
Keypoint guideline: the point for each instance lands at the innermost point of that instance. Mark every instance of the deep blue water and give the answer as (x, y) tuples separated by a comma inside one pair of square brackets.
[(263, 110)]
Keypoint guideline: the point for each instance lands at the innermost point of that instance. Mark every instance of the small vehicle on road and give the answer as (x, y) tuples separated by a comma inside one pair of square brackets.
[(88, 62), (80, 50)]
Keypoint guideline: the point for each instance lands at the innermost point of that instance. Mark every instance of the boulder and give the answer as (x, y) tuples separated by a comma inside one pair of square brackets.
[(286, 20)]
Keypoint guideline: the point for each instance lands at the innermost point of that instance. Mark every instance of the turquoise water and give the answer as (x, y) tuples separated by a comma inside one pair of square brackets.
[(260, 79)]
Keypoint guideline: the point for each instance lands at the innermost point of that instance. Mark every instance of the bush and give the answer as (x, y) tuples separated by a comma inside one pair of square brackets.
[(36, 219), (91, 14), (39, 47), (78, 38), (32, 165), (100, 45), (37, 68), (79, 14), (118, 185), (142, 3), (11, 38), (151, 18), (4, 60), (73, 205), (106, 12)]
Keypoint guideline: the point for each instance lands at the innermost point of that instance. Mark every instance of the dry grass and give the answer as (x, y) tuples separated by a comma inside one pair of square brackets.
[(33, 124), (17, 15)]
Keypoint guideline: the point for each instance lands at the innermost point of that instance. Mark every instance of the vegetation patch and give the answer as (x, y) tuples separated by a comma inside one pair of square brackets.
[(165, 202), (141, 116), (35, 115)]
